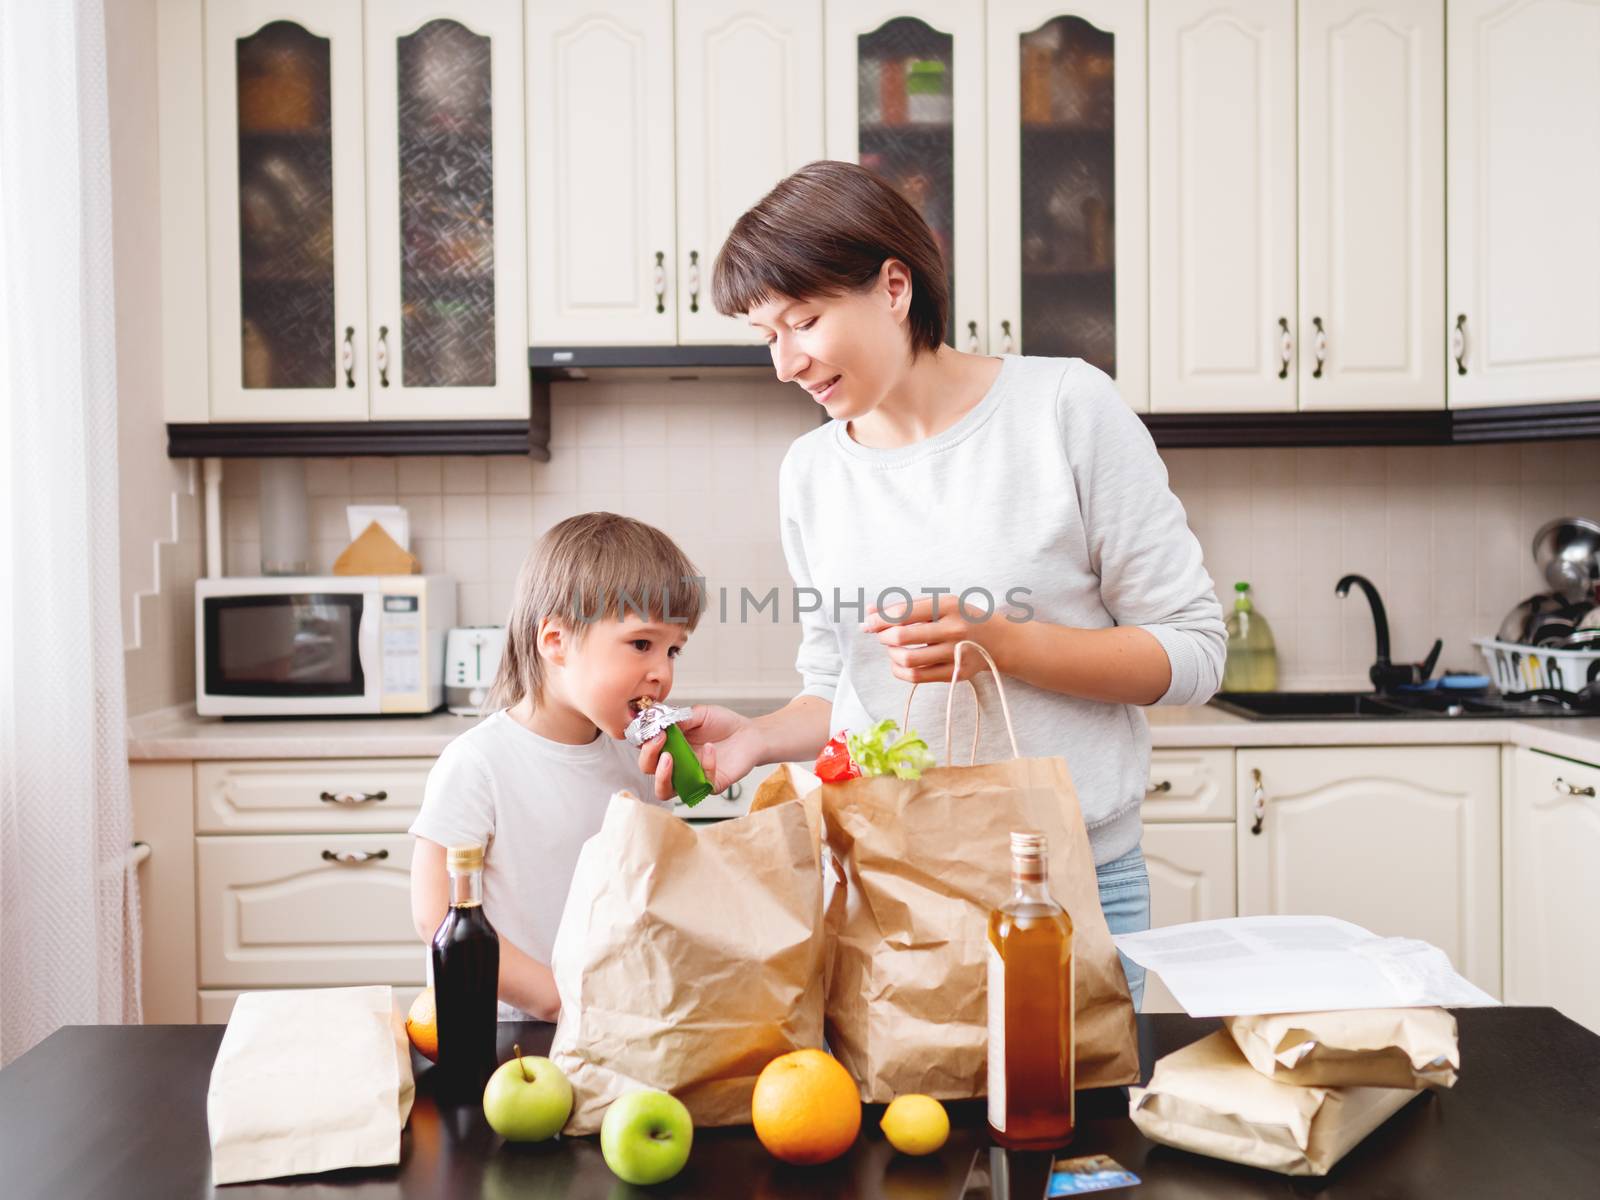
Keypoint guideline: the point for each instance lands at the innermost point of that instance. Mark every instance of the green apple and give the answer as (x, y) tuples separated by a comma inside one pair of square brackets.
[(527, 1099), (646, 1136)]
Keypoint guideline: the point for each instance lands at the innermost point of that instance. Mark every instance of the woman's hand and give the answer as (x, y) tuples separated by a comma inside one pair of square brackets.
[(727, 745), (922, 644)]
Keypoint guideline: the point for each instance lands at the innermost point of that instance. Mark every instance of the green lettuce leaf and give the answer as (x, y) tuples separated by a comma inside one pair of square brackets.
[(880, 752)]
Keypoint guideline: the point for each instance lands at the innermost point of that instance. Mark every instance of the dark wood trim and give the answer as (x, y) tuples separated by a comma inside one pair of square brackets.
[(342, 439), (1184, 430), (1527, 422)]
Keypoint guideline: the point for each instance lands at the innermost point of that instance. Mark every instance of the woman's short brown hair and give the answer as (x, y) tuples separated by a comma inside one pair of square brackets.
[(826, 230), (591, 567)]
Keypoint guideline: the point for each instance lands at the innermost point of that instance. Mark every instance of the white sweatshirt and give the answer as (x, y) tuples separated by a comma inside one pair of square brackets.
[(1048, 495)]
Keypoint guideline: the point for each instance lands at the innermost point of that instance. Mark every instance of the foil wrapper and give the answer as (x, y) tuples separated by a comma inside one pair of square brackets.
[(652, 721)]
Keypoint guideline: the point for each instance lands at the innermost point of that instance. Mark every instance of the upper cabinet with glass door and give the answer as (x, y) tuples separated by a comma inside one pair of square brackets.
[(446, 230), (365, 221), (1067, 223), (285, 221), (905, 98)]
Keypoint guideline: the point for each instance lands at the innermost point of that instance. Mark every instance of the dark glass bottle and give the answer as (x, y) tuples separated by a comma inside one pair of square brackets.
[(466, 980)]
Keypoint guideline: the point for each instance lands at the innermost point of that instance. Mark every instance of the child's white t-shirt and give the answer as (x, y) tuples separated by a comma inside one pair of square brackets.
[(531, 803)]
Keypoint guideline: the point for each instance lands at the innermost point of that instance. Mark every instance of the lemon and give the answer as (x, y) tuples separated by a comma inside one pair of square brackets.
[(915, 1124)]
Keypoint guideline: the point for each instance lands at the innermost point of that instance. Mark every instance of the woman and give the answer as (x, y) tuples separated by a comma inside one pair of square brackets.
[(1012, 501)]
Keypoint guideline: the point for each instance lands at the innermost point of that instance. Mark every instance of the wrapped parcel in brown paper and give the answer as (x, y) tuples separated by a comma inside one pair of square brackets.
[(687, 958), (1378, 1047), (920, 864), (1208, 1099)]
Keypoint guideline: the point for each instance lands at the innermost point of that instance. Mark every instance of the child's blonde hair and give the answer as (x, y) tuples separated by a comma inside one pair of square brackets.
[(594, 566)]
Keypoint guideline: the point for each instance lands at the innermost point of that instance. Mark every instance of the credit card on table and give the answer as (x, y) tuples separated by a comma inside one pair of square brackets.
[(1091, 1173)]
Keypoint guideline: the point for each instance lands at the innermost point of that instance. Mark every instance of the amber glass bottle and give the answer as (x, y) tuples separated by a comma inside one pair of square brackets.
[(466, 979), (1031, 1042)]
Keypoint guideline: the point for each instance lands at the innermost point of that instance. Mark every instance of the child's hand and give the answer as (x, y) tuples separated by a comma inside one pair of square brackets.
[(723, 741)]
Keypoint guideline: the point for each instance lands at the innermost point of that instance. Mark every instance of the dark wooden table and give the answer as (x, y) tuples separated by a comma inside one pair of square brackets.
[(110, 1111)]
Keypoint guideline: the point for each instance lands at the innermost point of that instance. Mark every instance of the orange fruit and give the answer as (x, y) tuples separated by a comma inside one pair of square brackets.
[(422, 1026), (806, 1108)]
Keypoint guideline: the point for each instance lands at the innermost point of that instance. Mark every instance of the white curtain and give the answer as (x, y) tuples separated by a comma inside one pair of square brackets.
[(69, 925)]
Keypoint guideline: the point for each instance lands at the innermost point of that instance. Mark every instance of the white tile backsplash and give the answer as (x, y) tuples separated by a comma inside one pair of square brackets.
[(1442, 531)]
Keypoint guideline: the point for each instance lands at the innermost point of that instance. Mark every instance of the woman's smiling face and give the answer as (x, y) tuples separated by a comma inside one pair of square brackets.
[(847, 351)]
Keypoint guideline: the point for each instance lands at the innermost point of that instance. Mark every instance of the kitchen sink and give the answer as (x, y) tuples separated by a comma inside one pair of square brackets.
[(1310, 706)]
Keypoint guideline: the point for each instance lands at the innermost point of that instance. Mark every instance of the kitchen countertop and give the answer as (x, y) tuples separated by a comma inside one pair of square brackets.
[(120, 1111), (181, 735)]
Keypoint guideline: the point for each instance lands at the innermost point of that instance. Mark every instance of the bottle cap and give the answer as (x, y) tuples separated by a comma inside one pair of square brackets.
[(1241, 586), (464, 858)]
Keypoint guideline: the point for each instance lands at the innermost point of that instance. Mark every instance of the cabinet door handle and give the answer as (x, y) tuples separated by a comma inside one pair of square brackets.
[(1285, 347), (972, 337), (661, 281), (694, 281), (347, 356), (1319, 347), (1006, 344), (1458, 343), (383, 356), (1572, 789), (354, 857), (353, 797), (1157, 789), (1258, 802)]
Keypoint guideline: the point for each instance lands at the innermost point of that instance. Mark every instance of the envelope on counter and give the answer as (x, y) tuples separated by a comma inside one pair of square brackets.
[(308, 1081)]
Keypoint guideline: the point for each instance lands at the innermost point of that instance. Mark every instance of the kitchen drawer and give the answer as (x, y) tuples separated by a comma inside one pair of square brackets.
[(309, 795), (1190, 785), (275, 912), (215, 1005)]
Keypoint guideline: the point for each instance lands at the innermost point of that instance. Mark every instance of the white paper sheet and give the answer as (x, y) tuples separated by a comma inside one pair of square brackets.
[(1246, 965)]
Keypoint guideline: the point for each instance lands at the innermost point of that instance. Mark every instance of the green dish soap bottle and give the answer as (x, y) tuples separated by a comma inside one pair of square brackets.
[(1252, 664)]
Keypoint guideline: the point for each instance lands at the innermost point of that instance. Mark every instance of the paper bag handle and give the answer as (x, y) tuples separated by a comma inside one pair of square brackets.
[(977, 703)]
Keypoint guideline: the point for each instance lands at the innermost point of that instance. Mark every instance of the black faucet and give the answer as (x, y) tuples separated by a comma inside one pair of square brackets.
[(1385, 674)]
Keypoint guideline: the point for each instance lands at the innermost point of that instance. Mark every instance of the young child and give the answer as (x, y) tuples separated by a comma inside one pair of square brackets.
[(603, 605)]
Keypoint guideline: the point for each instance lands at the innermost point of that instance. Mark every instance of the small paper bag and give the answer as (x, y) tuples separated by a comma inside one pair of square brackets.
[(687, 958), (1208, 1099), (1375, 1047), (307, 1081)]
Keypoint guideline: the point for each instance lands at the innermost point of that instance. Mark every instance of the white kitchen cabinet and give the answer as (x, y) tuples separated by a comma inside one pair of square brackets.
[(447, 255), (1524, 172), (601, 216), (216, 1004), (364, 225), (1222, 205), (905, 98), (749, 112), (1403, 840), (285, 214), (163, 821), (306, 909), (1189, 785), (1068, 244), (377, 795), (1192, 878), (1552, 885), (1371, 153)]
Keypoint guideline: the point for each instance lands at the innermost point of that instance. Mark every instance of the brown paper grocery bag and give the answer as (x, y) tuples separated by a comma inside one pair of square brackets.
[(922, 864), (687, 958), (1208, 1099), (1373, 1047)]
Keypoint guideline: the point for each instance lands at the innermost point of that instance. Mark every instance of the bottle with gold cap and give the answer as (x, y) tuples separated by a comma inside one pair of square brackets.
[(466, 979), (1031, 1030)]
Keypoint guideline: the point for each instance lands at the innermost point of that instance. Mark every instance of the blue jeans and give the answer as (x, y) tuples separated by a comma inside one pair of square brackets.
[(1125, 899)]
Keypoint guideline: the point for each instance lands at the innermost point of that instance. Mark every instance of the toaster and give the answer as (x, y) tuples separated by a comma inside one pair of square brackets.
[(471, 657)]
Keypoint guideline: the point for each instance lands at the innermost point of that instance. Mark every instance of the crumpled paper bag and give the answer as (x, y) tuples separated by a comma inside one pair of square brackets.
[(1378, 1047), (309, 1080), (920, 864), (1208, 1099), (687, 958)]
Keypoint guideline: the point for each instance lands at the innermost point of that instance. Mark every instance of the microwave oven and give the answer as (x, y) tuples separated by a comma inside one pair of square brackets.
[(333, 645)]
